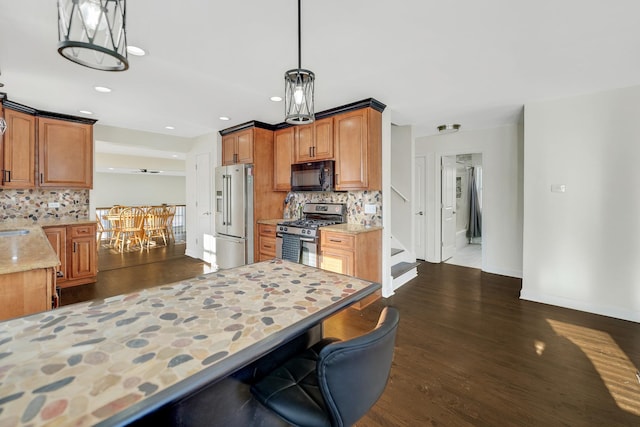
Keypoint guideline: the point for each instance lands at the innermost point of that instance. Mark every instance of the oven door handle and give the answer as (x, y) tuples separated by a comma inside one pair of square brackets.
[(307, 239)]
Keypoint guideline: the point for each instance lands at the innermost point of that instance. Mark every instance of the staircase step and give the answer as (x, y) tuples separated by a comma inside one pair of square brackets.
[(402, 267), (396, 251)]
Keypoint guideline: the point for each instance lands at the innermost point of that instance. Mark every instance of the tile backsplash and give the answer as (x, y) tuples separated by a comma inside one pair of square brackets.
[(34, 204), (355, 201)]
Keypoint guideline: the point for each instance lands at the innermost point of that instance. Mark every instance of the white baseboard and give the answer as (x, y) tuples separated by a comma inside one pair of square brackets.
[(588, 307), (404, 278)]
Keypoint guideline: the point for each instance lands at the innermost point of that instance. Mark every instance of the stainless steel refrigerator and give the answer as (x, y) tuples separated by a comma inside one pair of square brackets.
[(234, 215)]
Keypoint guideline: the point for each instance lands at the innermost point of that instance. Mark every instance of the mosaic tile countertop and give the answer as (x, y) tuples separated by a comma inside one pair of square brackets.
[(92, 362)]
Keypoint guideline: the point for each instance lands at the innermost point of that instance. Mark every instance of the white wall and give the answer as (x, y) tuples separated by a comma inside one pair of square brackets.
[(204, 144), (402, 170), (581, 247), (136, 189), (501, 150)]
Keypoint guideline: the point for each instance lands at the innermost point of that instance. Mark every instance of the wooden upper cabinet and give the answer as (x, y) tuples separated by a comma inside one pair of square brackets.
[(283, 158), (314, 142), (358, 140), (237, 147), (323, 137), (65, 153), (18, 151)]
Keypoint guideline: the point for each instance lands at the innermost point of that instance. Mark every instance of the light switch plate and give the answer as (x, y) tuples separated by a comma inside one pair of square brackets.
[(54, 204), (370, 209)]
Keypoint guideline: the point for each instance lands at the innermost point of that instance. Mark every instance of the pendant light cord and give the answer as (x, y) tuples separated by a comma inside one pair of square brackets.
[(299, 38)]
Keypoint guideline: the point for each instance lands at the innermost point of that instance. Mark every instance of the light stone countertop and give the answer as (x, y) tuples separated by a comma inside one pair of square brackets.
[(31, 251), (271, 221), (350, 228), (341, 228), (26, 252), (105, 361)]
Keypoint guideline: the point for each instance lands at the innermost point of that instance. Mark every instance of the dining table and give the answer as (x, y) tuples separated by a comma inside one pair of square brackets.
[(112, 361)]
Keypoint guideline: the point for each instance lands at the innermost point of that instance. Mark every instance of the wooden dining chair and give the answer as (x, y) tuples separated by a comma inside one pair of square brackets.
[(155, 225), (171, 213), (130, 228), (113, 216), (100, 229)]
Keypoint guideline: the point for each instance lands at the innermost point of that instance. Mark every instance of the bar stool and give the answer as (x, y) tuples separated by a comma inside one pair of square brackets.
[(332, 384)]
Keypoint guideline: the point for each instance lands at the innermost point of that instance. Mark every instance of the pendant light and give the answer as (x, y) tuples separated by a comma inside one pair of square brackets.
[(298, 90), (92, 33)]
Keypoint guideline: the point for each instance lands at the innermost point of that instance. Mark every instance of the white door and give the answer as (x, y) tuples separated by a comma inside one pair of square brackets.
[(204, 239), (448, 214), (421, 219)]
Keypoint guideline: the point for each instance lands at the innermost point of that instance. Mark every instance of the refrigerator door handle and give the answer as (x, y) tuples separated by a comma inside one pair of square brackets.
[(228, 200), (225, 199)]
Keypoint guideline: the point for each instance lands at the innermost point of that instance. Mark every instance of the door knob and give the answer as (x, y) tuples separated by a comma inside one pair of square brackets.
[(420, 213)]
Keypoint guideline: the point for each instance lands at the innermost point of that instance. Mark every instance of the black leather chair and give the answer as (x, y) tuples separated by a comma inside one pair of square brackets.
[(332, 383)]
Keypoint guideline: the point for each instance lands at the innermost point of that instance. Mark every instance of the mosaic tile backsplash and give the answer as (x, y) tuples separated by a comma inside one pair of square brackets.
[(355, 201), (34, 204)]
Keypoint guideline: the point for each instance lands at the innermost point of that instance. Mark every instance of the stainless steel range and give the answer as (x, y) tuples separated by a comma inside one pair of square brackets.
[(297, 240)]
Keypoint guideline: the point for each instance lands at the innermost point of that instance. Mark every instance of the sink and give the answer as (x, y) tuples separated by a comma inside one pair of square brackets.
[(14, 232)]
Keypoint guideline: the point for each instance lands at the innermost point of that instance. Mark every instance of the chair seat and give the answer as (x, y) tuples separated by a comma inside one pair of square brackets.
[(292, 390)]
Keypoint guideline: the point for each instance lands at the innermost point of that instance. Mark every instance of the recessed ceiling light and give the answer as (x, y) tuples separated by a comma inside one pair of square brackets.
[(110, 169), (136, 51), (86, 112), (276, 98), (174, 156), (225, 118), (170, 127), (102, 89)]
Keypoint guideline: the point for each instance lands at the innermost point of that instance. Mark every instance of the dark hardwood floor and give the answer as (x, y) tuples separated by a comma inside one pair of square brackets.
[(120, 273), (469, 352)]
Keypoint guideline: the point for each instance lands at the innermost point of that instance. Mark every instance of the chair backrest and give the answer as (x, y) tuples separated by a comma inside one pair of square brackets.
[(352, 374), (132, 219)]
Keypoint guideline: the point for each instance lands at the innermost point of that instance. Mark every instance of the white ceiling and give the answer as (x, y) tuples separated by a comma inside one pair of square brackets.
[(474, 62)]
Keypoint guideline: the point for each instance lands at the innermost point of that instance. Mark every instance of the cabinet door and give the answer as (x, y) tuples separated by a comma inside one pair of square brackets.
[(283, 158), (83, 257), (323, 139), (19, 151), (351, 144), (229, 149), (58, 239), (337, 260), (65, 154), (244, 148), (304, 144)]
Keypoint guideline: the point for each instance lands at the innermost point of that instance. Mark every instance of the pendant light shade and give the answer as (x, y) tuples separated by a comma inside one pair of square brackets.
[(92, 33), (298, 90), (299, 96)]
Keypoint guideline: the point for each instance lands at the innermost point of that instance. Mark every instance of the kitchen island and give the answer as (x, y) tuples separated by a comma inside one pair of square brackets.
[(112, 361)]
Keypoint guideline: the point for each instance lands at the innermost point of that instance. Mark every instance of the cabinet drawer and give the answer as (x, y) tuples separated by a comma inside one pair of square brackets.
[(267, 230), (83, 230), (337, 240), (268, 245)]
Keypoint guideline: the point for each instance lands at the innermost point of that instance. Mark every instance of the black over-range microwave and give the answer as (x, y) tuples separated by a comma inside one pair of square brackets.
[(313, 176)]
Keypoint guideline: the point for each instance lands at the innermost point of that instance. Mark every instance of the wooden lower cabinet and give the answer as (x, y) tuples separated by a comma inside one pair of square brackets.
[(77, 250), (26, 292), (267, 242), (354, 254)]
